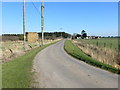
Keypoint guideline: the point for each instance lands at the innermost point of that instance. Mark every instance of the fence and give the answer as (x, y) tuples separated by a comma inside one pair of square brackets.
[(101, 53)]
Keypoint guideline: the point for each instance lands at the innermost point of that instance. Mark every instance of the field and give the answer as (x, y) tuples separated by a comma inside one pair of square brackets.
[(13, 49), (104, 50), (111, 43), (74, 51)]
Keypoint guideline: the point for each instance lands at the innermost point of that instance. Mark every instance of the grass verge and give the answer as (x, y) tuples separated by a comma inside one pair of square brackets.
[(74, 51), (17, 73)]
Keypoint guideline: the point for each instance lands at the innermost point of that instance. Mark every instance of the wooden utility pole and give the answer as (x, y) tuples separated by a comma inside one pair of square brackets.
[(61, 32), (61, 35), (24, 23), (42, 21)]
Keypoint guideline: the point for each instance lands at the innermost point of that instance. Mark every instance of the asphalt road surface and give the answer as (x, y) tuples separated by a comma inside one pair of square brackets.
[(56, 69)]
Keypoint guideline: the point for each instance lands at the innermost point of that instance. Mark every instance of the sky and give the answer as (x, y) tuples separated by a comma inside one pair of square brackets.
[(96, 18)]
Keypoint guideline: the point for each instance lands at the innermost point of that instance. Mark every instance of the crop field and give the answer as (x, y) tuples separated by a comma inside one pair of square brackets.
[(111, 43)]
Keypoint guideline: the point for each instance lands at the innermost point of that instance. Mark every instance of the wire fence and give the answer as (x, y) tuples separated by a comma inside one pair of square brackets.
[(101, 52)]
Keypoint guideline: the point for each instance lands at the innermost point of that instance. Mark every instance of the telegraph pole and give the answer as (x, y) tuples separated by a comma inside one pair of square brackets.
[(24, 23), (42, 21), (61, 35), (61, 32)]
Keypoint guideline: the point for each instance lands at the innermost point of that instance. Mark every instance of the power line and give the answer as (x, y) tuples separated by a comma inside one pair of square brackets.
[(35, 7), (42, 19)]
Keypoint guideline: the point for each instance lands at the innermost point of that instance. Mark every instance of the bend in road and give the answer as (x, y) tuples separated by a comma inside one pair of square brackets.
[(56, 69)]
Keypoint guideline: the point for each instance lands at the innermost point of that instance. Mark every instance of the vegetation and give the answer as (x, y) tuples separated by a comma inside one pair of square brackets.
[(53, 35), (100, 52), (111, 43), (75, 35), (12, 37), (17, 73), (74, 51), (83, 34), (48, 35)]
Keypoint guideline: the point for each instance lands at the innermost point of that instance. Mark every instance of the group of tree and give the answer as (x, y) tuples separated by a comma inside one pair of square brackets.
[(12, 37), (47, 35), (82, 35), (54, 35)]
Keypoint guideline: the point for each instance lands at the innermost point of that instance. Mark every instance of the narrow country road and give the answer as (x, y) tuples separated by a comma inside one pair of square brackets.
[(56, 69)]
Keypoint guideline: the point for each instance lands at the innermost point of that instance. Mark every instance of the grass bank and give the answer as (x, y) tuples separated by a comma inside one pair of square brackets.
[(74, 51), (17, 73)]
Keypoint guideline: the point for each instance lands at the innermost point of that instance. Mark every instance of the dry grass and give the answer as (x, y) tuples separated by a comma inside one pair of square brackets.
[(13, 49), (104, 55), (76, 52)]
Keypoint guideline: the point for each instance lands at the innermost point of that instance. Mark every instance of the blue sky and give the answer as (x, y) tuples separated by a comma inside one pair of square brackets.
[(97, 18)]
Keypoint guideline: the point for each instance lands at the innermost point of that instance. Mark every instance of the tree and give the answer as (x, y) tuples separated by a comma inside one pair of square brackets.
[(83, 34)]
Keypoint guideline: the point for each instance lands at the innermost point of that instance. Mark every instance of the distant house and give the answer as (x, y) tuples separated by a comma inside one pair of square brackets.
[(93, 37), (76, 36)]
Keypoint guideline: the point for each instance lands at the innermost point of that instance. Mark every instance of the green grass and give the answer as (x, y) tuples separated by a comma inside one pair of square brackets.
[(74, 51), (111, 43), (17, 73)]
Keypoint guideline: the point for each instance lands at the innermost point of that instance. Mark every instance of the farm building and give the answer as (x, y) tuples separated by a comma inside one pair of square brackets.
[(93, 37)]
